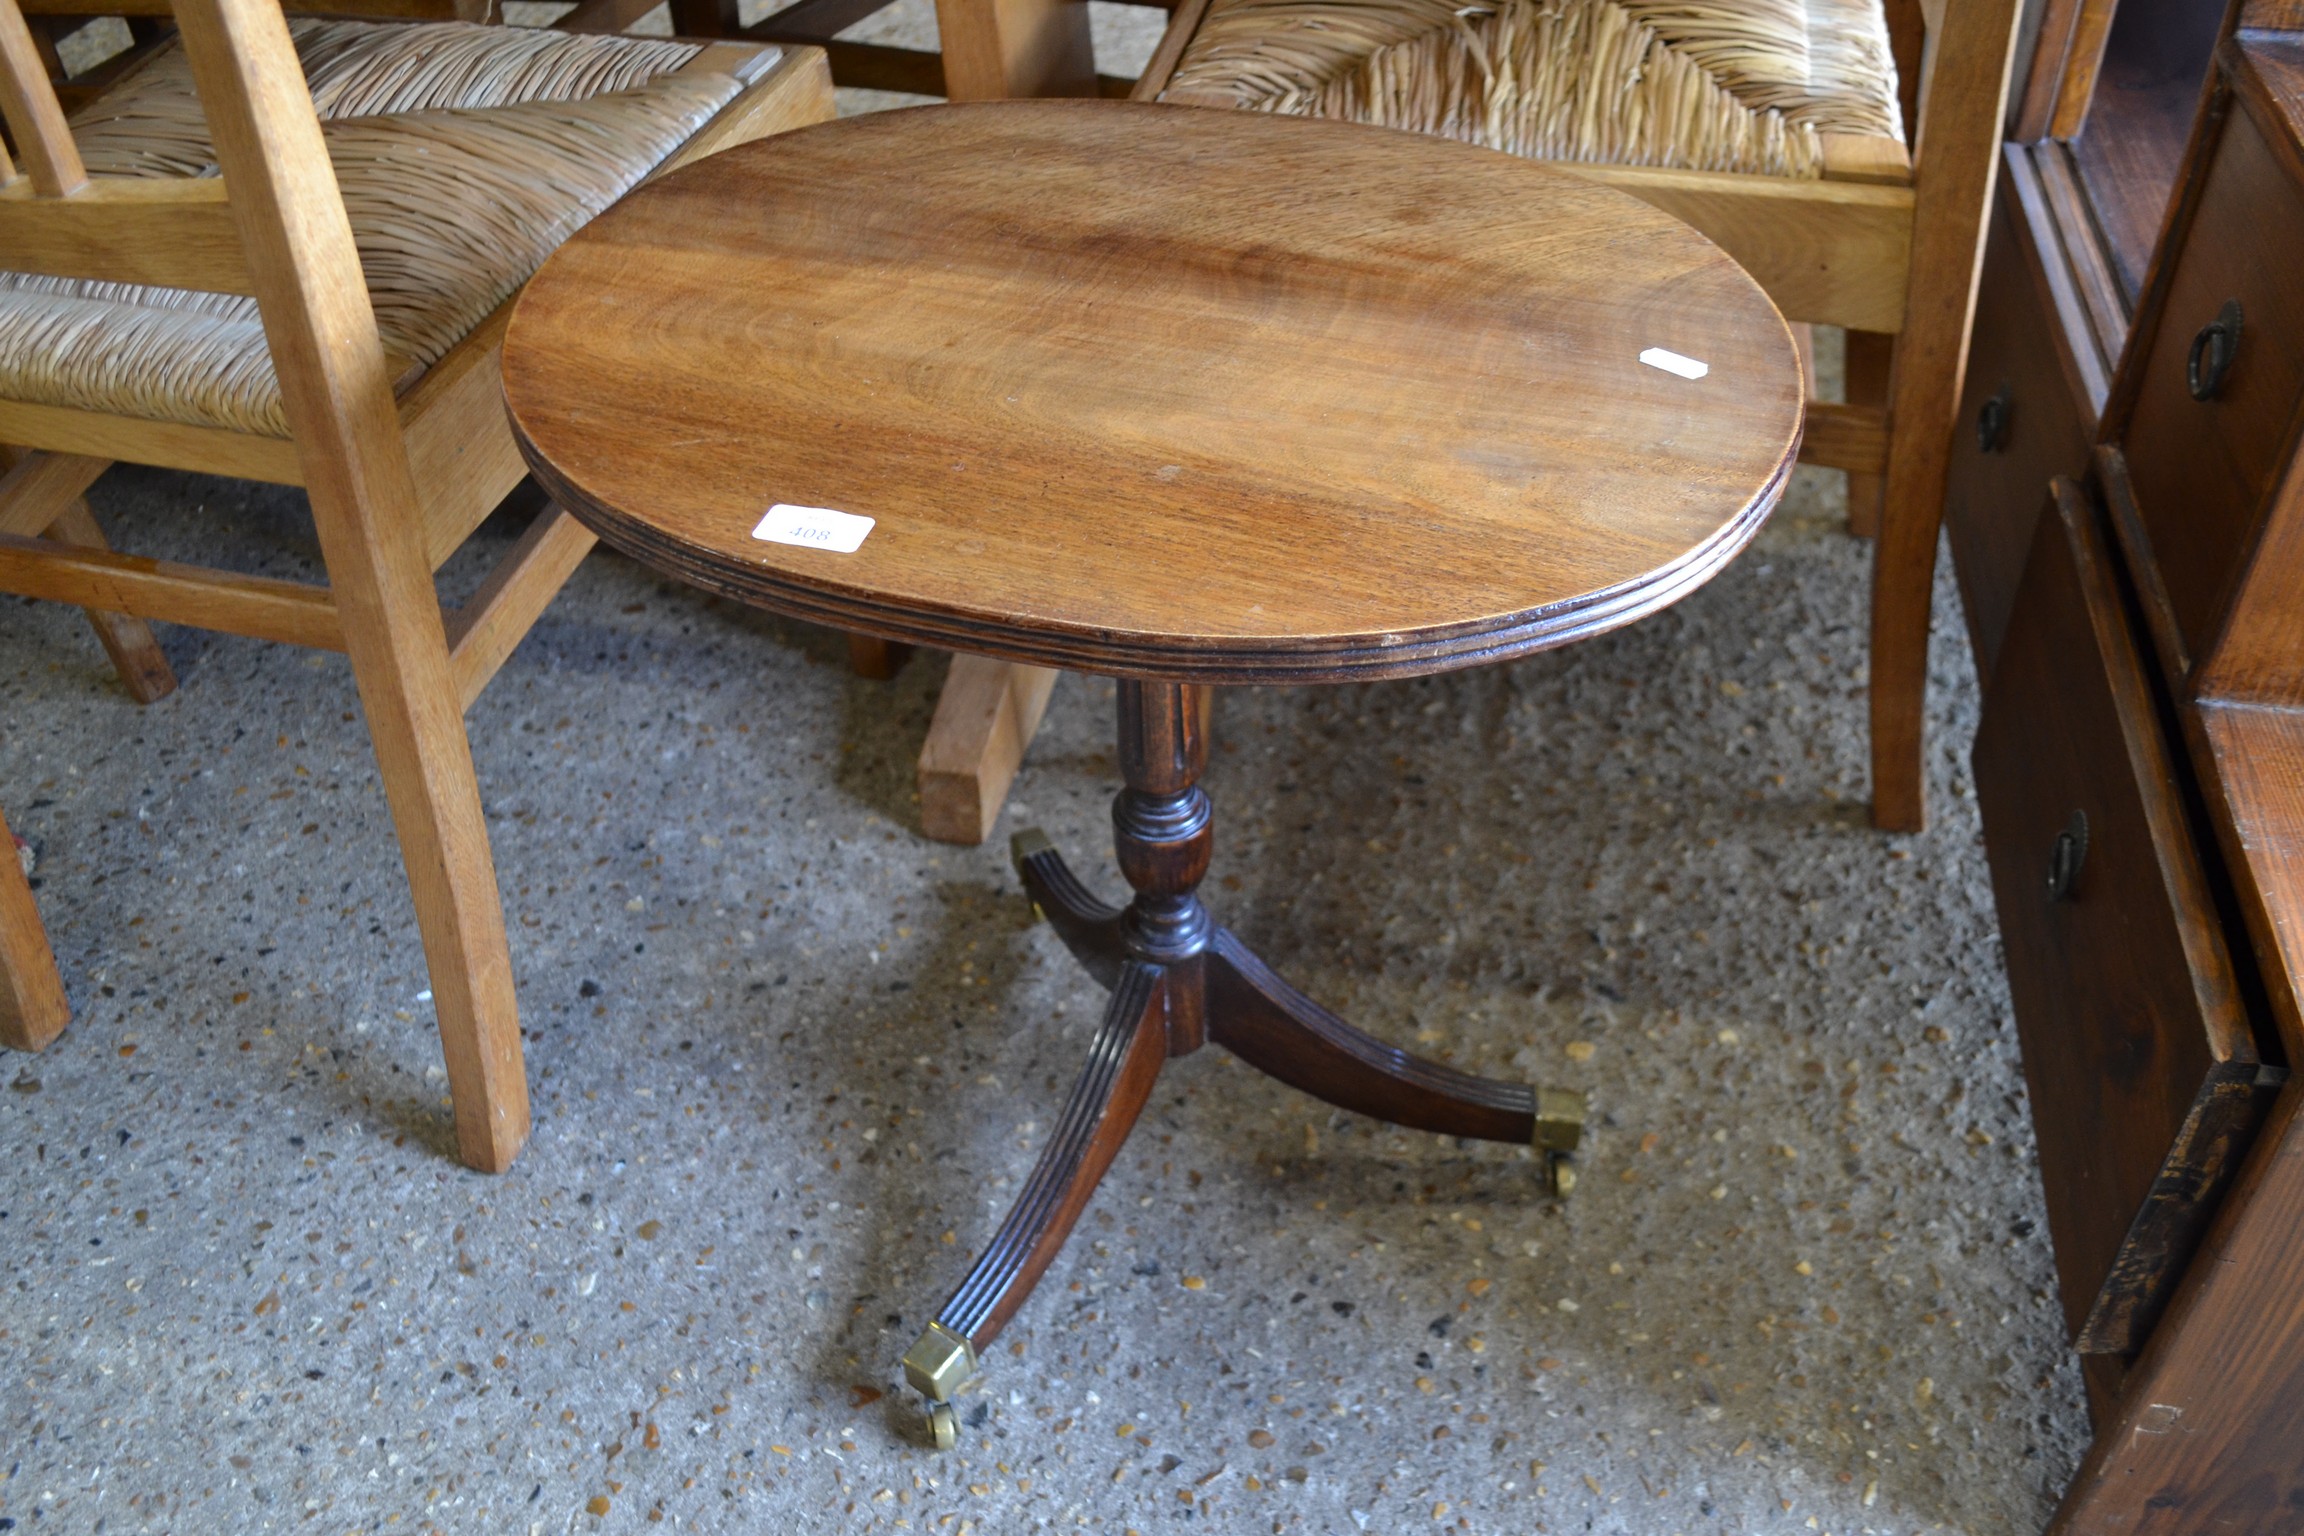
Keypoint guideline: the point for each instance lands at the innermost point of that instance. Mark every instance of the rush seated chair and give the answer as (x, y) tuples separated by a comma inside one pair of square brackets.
[(287, 251), (1777, 127)]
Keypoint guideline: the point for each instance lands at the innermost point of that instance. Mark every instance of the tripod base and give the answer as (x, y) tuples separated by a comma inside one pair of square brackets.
[(1179, 981)]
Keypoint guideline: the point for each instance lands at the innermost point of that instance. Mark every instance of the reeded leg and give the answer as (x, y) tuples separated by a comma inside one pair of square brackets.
[(1090, 929), (1130, 1047), (1279, 1031)]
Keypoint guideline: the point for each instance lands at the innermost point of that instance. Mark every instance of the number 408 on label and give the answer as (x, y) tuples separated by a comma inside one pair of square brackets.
[(813, 528)]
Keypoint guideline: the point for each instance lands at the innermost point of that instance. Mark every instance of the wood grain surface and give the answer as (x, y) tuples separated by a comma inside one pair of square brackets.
[(1151, 391)]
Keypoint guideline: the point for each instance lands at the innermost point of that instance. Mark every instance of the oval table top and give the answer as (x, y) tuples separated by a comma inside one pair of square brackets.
[(1159, 391)]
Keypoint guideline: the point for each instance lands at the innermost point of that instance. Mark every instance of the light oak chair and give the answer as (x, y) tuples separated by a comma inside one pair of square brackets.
[(328, 312), (1775, 127)]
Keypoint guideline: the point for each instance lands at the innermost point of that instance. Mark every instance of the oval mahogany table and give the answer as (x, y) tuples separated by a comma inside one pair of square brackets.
[(1182, 397)]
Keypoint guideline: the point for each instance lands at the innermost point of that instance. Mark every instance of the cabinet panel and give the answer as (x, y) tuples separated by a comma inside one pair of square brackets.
[(2019, 426), (2215, 400), (2138, 1055)]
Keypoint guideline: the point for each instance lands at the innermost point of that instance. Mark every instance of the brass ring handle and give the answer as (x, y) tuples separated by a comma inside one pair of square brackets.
[(2066, 856), (1992, 422), (2212, 352)]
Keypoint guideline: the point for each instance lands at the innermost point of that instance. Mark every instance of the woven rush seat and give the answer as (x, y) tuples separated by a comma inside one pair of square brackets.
[(1746, 86), (465, 154)]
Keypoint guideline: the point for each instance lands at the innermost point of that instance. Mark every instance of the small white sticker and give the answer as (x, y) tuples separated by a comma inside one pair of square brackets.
[(813, 528), (1673, 362)]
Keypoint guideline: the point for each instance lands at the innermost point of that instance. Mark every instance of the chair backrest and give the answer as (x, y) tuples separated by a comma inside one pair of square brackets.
[(272, 226)]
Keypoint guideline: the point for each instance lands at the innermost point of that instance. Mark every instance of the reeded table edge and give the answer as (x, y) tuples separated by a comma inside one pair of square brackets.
[(1245, 660)]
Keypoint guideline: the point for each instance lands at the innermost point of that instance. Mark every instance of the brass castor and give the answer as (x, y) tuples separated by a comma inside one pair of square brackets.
[(1559, 1130), (938, 1361)]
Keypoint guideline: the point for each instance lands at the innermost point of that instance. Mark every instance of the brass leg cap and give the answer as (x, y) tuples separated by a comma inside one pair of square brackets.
[(943, 1426), (938, 1361), (1559, 1119)]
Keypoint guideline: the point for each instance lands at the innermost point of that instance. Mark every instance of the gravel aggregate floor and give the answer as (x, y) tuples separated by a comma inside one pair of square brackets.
[(790, 1061)]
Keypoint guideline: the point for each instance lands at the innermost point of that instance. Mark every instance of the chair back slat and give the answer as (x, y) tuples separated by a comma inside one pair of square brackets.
[(167, 231), (28, 101)]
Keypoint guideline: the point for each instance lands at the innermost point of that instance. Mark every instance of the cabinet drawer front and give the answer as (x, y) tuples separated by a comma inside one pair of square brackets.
[(2137, 1052), (2201, 467), (2018, 427)]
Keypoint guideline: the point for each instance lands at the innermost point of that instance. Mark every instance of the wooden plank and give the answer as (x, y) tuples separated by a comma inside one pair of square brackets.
[(795, 92), (880, 660), (868, 66), (369, 515), (2069, 209), (997, 49), (825, 19), (1831, 252), (1865, 368), (293, 612), (1181, 25), (460, 448), (984, 722), (2257, 658), (33, 1010), (169, 231), (40, 487), (365, 10), (2036, 100), (605, 16), (2257, 794), (168, 444), (35, 120), (2083, 61), (1850, 437), (1959, 156), (1866, 157), (485, 631), (2079, 348), (2204, 1437), (127, 640)]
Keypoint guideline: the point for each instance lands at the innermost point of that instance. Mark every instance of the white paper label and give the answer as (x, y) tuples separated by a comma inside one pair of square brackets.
[(1673, 362), (813, 528)]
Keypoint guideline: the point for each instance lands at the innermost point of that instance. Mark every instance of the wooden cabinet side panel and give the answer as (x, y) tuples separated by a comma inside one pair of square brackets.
[(2001, 466), (2205, 1436), (2201, 469), (2130, 1021)]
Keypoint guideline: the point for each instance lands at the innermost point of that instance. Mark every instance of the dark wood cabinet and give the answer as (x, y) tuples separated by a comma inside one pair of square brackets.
[(2134, 570)]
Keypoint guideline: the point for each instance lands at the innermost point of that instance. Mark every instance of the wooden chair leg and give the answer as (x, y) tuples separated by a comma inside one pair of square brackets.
[(32, 1007), (415, 719), (1959, 160), (336, 385), (127, 640), (875, 658), (1866, 371), (40, 493), (984, 721), (996, 49)]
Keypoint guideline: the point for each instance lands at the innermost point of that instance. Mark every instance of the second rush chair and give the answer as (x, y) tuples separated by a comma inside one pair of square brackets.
[(287, 252), (1776, 127)]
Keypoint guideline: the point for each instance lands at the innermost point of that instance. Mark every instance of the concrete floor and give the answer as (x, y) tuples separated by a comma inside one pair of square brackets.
[(789, 1062)]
